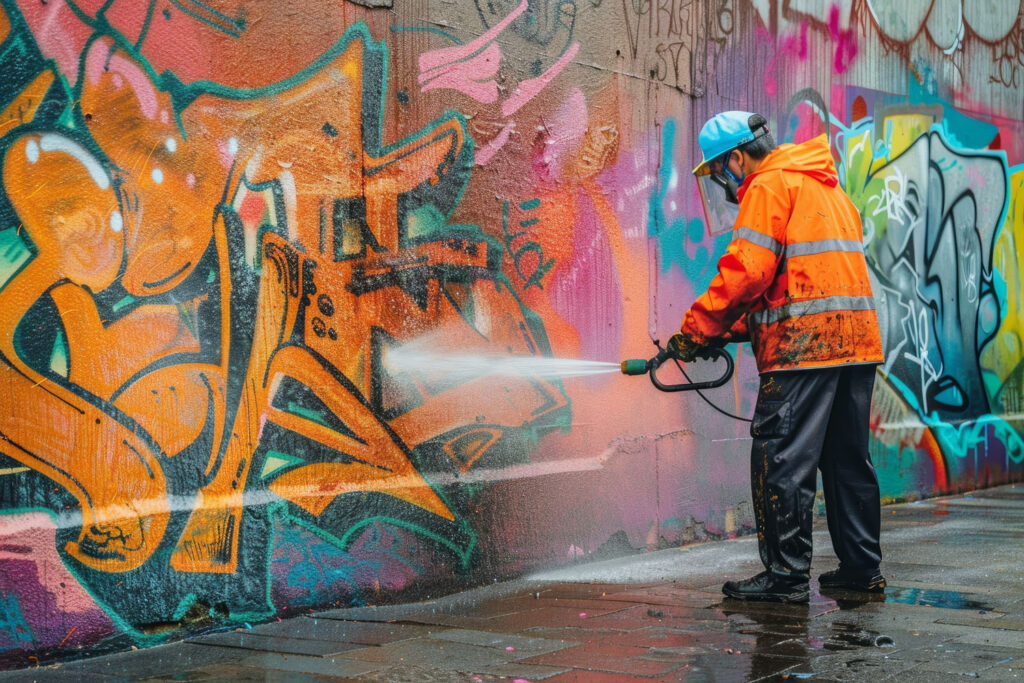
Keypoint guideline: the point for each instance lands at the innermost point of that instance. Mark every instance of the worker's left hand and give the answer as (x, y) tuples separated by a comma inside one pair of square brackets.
[(683, 347)]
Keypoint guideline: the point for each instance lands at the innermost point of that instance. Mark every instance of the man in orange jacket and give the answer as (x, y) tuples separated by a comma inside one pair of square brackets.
[(794, 278)]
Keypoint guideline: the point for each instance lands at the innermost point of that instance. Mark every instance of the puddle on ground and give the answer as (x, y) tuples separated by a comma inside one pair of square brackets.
[(935, 598)]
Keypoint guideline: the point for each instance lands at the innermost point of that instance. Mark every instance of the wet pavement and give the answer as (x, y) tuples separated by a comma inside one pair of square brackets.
[(954, 609)]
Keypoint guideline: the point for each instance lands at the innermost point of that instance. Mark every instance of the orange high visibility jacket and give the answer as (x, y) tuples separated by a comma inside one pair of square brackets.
[(795, 269)]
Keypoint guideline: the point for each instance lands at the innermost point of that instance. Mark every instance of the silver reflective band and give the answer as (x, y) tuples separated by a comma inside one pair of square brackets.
[(758, 238), (812, 306), (821, 246)]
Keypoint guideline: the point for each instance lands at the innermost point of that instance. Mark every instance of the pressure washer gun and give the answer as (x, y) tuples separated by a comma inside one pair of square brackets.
[(639, 366)]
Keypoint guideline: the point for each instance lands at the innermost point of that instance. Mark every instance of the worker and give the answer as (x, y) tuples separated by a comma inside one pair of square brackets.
[(794, 279)]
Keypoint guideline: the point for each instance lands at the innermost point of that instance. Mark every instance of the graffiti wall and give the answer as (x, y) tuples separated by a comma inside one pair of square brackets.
[(261, 261)]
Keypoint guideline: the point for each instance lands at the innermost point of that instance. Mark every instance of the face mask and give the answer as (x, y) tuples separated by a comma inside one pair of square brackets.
[(729, 182), (732, 176)]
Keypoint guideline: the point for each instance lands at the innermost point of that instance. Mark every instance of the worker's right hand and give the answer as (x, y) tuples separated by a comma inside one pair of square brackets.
[(683, 347)]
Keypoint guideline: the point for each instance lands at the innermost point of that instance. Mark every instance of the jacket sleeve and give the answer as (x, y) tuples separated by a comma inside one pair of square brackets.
[(748, 266)]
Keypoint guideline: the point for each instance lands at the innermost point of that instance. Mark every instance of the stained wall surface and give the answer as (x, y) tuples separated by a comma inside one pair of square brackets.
[(223, 224)]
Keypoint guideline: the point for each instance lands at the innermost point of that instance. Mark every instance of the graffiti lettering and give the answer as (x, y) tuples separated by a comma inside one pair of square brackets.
[(668, 37), (528, 252)]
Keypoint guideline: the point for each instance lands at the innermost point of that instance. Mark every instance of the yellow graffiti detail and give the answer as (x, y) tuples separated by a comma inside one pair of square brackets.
[(1003, 355)]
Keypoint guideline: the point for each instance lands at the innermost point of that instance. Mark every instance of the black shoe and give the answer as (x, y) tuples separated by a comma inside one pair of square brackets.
[(770, 587), (865, 580)]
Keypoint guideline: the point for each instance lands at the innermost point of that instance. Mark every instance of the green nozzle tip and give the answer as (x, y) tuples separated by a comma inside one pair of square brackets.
[(634, 366)]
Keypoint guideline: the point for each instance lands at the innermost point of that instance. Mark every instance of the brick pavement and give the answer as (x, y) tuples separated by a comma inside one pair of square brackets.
[(954, 609)]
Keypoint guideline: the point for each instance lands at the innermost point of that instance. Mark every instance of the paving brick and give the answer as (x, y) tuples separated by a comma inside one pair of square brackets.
[(384, 613), (725, 667), (992, 620), (967, 660), (644, 616), (431, 653), (57, 673), (179, 657), (262, 642), (991, 636), (596, 605), (552, 616), (419, 674), (527, 672), (607, 658), (585, 589), (605, 677), (522, 645), (359, 633), (669, 594), (318, 666), (652, 638), (569, 633), (233, 673)]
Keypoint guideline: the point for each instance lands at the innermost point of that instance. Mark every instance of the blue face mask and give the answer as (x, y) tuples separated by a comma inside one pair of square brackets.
[(729, 182), (732, 176)]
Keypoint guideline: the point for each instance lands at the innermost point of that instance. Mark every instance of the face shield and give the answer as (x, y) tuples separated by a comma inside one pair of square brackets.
[(718, 197)]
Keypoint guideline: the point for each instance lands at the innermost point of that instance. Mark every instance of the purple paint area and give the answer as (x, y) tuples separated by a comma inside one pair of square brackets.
[(629, 183), (307, 570), (42, 606)]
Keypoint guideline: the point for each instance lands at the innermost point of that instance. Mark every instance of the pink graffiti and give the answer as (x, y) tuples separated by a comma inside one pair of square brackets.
[(561, 135), (100, 60), (59, 34), (791, 45), (474, 76), (529, 89), (787, 46), (846, 42), (471, 69), (437, 58), (484, 154), (468, 67)]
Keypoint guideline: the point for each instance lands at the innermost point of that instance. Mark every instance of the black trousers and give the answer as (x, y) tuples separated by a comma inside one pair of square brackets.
[(806, 420)]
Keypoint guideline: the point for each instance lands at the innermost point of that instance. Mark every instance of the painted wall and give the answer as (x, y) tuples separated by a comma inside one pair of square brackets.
[(217, 218)]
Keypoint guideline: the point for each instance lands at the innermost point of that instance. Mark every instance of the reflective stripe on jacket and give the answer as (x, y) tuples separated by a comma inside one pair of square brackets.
[(795, 268)]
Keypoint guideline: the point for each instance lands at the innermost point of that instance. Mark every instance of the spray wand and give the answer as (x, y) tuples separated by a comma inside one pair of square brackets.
[(639, 366)]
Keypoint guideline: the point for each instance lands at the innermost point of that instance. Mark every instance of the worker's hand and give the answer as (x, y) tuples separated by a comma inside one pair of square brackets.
[(683, 347)]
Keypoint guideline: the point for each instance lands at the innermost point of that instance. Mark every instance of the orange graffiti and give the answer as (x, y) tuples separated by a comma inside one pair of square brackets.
[(217, 254)]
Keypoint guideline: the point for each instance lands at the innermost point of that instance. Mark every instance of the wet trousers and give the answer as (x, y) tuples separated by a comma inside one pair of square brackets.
[(804, 421)]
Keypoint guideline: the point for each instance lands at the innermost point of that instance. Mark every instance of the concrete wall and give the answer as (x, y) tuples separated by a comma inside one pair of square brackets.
[(217, 217)]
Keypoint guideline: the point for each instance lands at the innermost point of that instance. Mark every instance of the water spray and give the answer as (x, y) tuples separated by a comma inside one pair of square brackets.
[(465, 367)]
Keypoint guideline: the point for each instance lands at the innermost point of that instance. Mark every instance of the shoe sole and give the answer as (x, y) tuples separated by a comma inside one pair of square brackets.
[(803, 596), (859, 587)]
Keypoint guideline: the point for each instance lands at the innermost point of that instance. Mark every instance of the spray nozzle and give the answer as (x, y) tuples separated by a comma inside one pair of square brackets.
[(635, 366)]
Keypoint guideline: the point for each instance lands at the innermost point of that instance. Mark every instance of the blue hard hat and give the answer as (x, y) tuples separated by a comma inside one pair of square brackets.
[(726, 131)]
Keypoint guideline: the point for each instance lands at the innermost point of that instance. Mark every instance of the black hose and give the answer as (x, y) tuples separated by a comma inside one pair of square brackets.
[(706, 399)]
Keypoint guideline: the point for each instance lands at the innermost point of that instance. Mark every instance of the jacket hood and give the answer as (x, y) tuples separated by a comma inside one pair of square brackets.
[(812, 158)]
